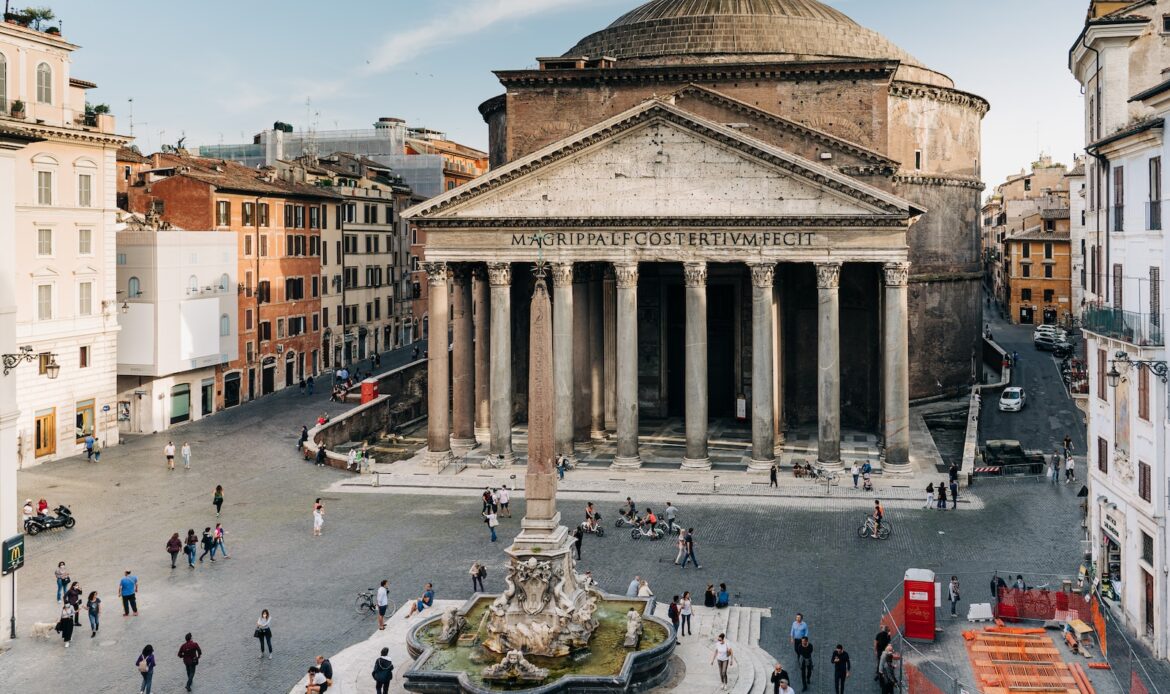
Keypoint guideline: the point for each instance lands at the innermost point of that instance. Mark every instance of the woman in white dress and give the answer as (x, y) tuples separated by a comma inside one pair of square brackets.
[(318, 517)]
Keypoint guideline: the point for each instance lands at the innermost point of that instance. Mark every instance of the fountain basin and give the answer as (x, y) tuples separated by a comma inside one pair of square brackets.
[(605, 666)]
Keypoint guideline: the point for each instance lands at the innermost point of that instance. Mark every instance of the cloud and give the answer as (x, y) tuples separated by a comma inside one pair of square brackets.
[(463, 19)]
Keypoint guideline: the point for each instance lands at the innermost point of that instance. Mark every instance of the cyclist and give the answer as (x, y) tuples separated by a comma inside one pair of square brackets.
[(651, 519), (878, 514), (591, 516), (630, 511)]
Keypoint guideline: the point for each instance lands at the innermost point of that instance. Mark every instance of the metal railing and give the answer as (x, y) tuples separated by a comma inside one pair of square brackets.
[(1135, 328)]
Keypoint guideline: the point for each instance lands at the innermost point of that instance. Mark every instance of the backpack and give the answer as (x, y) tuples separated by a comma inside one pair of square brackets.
[(482, 573), (382, 675), (672, 613), (143, 666)]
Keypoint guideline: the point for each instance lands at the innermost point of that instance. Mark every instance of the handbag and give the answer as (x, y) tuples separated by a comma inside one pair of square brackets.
[(257, 633)]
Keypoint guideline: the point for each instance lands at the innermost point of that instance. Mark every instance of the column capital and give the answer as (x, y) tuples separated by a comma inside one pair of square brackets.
[(500, 274), (763, 274), (460, 273), (479, 273), (828, 275), (695, 274), (562, 274), (626, 274), (896, 274), (436, 273)]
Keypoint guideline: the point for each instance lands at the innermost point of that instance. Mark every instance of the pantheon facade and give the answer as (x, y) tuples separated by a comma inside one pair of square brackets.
[(751, 209)]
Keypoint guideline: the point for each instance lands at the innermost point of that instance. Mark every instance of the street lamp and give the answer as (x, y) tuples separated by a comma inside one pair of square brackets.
[(1114, 376), (11, 361), (1158, 368)]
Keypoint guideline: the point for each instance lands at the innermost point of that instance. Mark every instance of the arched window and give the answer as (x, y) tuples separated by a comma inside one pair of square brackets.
[(192, 285), (134, 288), (44, 83), (3, 83), (225, 325), (223, 282)]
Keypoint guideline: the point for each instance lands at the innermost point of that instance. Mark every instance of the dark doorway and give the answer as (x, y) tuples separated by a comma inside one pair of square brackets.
[(288, 370), (721, 350), (268, 379), (251, 384), (676, 327), (231, 389), (1049, 316), (1025, 315)]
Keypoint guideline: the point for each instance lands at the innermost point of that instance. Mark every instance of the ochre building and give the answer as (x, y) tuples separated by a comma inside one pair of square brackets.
[(751, 208)]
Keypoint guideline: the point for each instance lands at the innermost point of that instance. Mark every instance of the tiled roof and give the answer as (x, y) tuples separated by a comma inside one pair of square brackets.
[(127, 154), (230, 175)]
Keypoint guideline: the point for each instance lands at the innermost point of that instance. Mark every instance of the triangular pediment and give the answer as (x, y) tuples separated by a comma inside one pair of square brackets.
[(659, 161)]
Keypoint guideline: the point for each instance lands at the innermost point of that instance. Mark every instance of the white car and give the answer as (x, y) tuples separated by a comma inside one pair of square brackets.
[(1054, 331), (1012, 400)]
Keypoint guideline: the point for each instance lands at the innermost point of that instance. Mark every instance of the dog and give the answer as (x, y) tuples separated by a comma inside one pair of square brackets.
[(44, 629)]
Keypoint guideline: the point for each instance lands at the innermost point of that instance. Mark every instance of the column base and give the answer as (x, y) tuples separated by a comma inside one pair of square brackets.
[(483, 435), (438, 458), (462, 446), (761, 464), (831, 465), (598, 436), (696, 463), (509, 459), (622, 462), (889, 467)]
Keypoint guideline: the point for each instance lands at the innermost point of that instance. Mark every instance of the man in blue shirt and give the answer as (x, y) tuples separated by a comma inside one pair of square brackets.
[(427, 599), (798, 631), (89, 441), (632, 590), (128, 589)]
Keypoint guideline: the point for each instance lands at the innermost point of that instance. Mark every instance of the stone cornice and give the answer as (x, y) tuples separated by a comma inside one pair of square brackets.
[(940, 180), (703, 223), (913, 90), (56, 133), (829, 69)]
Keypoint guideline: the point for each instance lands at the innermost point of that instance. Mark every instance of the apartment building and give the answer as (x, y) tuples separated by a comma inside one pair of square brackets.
[(1038, 264)]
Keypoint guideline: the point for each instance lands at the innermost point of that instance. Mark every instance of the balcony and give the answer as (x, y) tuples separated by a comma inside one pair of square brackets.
[(1140, 329), (1154, 215)]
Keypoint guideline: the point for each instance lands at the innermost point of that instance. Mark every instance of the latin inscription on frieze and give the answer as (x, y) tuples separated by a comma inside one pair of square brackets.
[(660, 239)]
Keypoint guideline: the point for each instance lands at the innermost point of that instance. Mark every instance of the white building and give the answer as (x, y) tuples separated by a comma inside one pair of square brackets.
[(179, 324), (1118, 60), (1078, 241), (64, 248)]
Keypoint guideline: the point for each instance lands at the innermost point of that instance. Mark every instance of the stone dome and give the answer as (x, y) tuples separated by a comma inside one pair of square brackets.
[(711, 31)]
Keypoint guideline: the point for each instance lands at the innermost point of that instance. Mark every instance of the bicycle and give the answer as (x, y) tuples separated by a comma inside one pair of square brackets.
[(867, 529), (367, 602)]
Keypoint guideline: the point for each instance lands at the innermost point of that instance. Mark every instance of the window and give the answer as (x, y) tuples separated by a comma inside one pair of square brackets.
[(450, 185), (248, 319), (44, 84), (85, 299), (1048, 249), (225, 325), (280, 327), (265, 330), (1166, 24), (316, 285), (192, 285), (43, 361), (3, 83), (84, 419), (44, 242), (1119, 198), (299, 216), (263, 214), (125, 173), (294, 288), (83, 357), (85, 242), (324, 253), (1027, 184), (1049, 225), (1026, 250), (158, 206), (264, 245), (44, 302), (44, 187), (1102, 371), (1026, 271), (1118, 277), (316, 322), (1048, 294), (1048, 271), (325, 316), (917, 160), (249, 217), (247, 244), (1143, 382), (249, 352), (223, 213), (134, 288), (264, 292), (1103, 455), (314, 217), (1144, 481), (85, 190), (1155, 295), (248, 283), (288, 216), (224, 281)]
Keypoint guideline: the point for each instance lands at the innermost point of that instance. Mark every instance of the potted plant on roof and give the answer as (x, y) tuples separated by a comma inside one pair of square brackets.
[(18, 109)]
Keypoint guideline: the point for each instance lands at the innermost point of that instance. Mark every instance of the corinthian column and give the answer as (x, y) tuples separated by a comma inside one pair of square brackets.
[(763, 426), (562, 357), (582, 380), (463, 362), (828, 366), (596, 361), (500, 277), (896, 383), (609, 345), (479, 302), (438, 376), (627, 456), (695, 367)]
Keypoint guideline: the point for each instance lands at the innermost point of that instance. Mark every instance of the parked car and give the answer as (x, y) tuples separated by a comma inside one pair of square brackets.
[(1008, 457), (1062, 349), (1044, 342), (1012, 399)]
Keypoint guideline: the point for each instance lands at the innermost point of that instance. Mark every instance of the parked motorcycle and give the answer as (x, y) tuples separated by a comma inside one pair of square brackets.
[(63, 519), (600, 531)]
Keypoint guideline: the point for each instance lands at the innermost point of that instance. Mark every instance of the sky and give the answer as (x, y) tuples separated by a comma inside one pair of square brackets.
[(219, 72)]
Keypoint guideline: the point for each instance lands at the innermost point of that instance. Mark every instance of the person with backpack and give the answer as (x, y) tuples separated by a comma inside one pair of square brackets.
[(478, 573), (383, 673), (174, 546), (673, 613), (145, 666)]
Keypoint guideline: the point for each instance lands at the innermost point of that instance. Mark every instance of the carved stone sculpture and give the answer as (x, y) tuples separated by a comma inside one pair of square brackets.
[(453, 623), (633, 629), (514, 667)]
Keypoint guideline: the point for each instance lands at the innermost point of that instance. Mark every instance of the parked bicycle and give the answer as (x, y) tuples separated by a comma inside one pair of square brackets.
[(367, 602), (868, 528)]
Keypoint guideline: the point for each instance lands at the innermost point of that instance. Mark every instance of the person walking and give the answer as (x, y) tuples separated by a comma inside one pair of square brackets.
[(505, 497), (89, 442), (842, 668), (478, 571), (174, 546), (318, 517), (929, 495), (73, 598), (311, 383), (191, 546), (690, 547), (169, 452), (383, 672), (772, 474), (383, 603), (887, 673), (263, 632), (185, 451), (953, 595), (93, 606), (855, 471), (780, 680), (1070, 469), (685, 610), (879, 646), (1054, 467), (128, 590), (681, 543), (798, 631), (145, 665), (217, 499), (675, 616), (65, 623), (218, 536), (942, 496), (492, 521), (1067, 445), (954, 485), (724, 656), (578, 539), (208, 543), (62, 576), (804, 651), (189, 653)]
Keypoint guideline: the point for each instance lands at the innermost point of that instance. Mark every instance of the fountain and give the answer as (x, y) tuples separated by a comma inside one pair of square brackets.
[(550, 630)]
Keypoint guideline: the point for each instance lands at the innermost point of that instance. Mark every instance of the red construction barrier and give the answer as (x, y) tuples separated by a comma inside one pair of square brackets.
[(916, 682), (1035, 603)]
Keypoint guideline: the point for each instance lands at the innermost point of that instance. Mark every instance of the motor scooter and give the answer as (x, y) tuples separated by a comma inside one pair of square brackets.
[(63, 519)]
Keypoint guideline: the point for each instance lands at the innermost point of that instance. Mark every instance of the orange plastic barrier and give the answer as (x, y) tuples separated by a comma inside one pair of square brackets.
[(916, 682), (1136, 686)]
